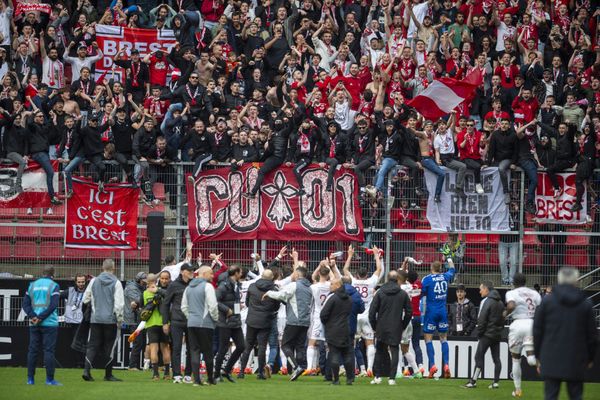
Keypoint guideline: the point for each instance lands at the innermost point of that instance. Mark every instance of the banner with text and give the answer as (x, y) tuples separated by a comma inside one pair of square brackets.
[(112, 38), (34, 184), (558, 210), (217, 209), (475, 212), (102, 220)]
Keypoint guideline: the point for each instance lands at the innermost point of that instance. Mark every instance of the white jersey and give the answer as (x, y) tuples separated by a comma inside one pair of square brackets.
[(320, 291), (526, 301), (244, 286), (366, 289)]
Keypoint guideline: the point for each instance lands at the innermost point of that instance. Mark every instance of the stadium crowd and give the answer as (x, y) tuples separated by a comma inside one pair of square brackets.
[(301, 82)]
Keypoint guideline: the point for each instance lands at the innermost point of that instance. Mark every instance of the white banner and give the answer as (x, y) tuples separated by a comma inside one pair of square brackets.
[(475, 212), (558, 211)]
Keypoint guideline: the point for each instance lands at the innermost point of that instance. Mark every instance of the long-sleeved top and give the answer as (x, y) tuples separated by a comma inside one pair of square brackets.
[(199, 304), (298, 299), (105, 294), (502, 146)]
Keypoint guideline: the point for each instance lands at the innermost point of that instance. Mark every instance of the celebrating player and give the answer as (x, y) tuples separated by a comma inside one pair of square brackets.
[(435, 292), (521, 303), (366, 288)]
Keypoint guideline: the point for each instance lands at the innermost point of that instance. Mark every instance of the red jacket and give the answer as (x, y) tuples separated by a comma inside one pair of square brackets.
[(471, 149), (507, 75), (529, 108), (209, 13)]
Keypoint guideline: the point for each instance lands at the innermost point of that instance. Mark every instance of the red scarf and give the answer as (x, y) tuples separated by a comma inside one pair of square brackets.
[(135, 71), (193, 97), (60, 74)]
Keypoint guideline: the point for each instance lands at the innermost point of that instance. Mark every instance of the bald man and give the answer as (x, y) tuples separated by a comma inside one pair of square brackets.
[(261, 314), (199, 304)]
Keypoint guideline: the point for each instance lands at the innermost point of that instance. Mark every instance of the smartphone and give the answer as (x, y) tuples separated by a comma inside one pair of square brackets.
[(337, 254)]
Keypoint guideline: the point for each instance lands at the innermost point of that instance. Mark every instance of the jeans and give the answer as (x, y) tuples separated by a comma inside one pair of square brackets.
[(558, 166), (42, 337), (269, 165), (430, 164), (386, 166), (43, 159), (503, 169), (73, 165), (298, 167), (332, 164), (475, 166), (17, 158), (274, 344), (460, 169), (360, 169), (416, 339), (530, 167), (508, 252)]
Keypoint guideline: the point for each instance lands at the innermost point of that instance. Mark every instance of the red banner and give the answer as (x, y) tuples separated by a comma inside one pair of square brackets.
[(218, 211), (558, 211), (35, 188), (111, 39), (26, 8), (102, 220)]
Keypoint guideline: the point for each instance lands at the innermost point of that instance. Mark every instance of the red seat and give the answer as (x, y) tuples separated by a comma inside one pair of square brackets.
[(51, 250), (58, 213), (427, 238), (25, 249), (7, 213), (76, 254), (476, 255), (576, 240), (493, 239), (28, 231), (576, 257), (472, 238), (159, 191), (531, 257), (52, 232), (7, 231), (5, 250)]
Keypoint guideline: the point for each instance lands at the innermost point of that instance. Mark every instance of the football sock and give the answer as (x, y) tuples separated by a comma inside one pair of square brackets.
[(310, 357), (430, 354), (410, 357), (167, 369), (370, 356), (445, 353), (516, 372), (155, 369)]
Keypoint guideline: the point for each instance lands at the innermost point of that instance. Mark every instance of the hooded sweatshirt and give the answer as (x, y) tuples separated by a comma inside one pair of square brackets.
[(105, 293), (299, 301), (261, 312), (490, 321), (390, 312)]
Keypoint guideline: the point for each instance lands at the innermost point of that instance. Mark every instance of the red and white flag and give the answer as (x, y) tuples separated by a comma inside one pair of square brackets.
[(35, 188), (443, 95)]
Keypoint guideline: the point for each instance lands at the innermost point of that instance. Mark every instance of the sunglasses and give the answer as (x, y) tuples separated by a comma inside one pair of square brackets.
[(193, 77), (470, 125)]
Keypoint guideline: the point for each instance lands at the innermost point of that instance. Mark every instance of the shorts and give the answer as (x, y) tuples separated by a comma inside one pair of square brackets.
[(435, 320), (363, 327), (316, 331), (155, 334), (520, 336), (407, 334)]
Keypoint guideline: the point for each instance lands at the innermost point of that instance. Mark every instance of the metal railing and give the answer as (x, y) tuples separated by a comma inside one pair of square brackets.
[(398, 224)]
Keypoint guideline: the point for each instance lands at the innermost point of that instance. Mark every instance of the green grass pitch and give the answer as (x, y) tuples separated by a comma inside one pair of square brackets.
[(139, 386)]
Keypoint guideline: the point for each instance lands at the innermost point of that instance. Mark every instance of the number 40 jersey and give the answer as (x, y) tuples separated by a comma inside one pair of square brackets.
[(435, 289)]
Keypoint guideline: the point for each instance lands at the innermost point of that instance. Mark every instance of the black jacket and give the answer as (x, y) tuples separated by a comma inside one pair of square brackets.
[(491, 321), (390, 312), (363, 147), (38, 138), (261, 312), (71, 140), (566, 318), (392, 146), (220, 146), (228, 294), (566, 149), (341, 149), (278, 143), (91, 139), (143, 141), (502, 146), (16, 139), (297, 151), (335, 316), (198, 144), (468, 317), (170, 308), (123, 136)]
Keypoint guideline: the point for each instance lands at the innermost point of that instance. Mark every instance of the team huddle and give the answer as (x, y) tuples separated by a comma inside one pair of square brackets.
[(334, 322)]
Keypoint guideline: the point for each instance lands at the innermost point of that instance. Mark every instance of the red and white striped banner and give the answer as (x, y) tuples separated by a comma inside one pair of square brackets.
[(35, 189)]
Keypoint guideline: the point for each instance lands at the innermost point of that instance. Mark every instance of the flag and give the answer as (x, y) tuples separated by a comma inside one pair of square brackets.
[(34, 184), (443, 95)]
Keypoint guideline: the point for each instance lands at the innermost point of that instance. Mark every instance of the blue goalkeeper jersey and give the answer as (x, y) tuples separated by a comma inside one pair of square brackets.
[(435, 289)]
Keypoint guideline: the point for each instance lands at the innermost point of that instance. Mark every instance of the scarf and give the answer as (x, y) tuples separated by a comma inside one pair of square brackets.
[(135, 71)]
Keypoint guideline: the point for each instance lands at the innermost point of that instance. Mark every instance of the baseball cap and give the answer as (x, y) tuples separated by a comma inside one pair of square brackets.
[(571, 75), (135, 51), (140, 276), (187, 267), (388, 122)]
